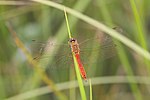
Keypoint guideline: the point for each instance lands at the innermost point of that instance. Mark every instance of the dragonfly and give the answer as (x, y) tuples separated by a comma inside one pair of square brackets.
[(103, 45), (76, 51)]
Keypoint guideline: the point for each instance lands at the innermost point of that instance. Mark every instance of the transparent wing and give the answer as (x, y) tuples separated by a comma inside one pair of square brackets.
[(100, 48), (45, 48), (52, 55), (59, 62), (90, 50), (98, 54)]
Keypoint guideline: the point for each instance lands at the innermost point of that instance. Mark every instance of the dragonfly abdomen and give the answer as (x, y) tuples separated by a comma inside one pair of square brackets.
[(81, 68)]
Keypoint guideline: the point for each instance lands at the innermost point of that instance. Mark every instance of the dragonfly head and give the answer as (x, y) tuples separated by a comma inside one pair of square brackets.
[(72, 40)]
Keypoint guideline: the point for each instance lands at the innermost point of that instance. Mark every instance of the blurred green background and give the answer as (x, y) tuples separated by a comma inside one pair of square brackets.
[(121, 73)]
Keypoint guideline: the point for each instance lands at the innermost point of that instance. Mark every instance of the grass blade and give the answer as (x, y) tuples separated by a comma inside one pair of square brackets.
[(81, 87), (91, 96)]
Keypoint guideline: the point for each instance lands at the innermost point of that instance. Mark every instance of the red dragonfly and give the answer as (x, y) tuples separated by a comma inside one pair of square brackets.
[(103, 46), (76, 51)]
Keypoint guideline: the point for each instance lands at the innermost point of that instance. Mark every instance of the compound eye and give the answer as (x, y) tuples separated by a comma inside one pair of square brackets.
[(72, 40)]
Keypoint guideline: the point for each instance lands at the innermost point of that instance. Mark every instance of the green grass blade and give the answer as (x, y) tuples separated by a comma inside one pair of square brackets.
[(140, 29), (81, 87), (91, 96), (122, 54), (69, 32), (141, 36)]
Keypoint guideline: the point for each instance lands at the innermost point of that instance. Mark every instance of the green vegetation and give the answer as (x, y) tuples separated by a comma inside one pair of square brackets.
[(117, 63)]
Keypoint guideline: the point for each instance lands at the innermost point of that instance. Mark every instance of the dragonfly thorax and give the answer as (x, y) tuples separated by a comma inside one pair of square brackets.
[(74, 45)]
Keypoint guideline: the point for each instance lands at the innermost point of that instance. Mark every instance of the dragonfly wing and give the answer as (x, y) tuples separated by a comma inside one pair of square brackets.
[(39, 48), (97, 44), (99, 48), (52, 55)]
